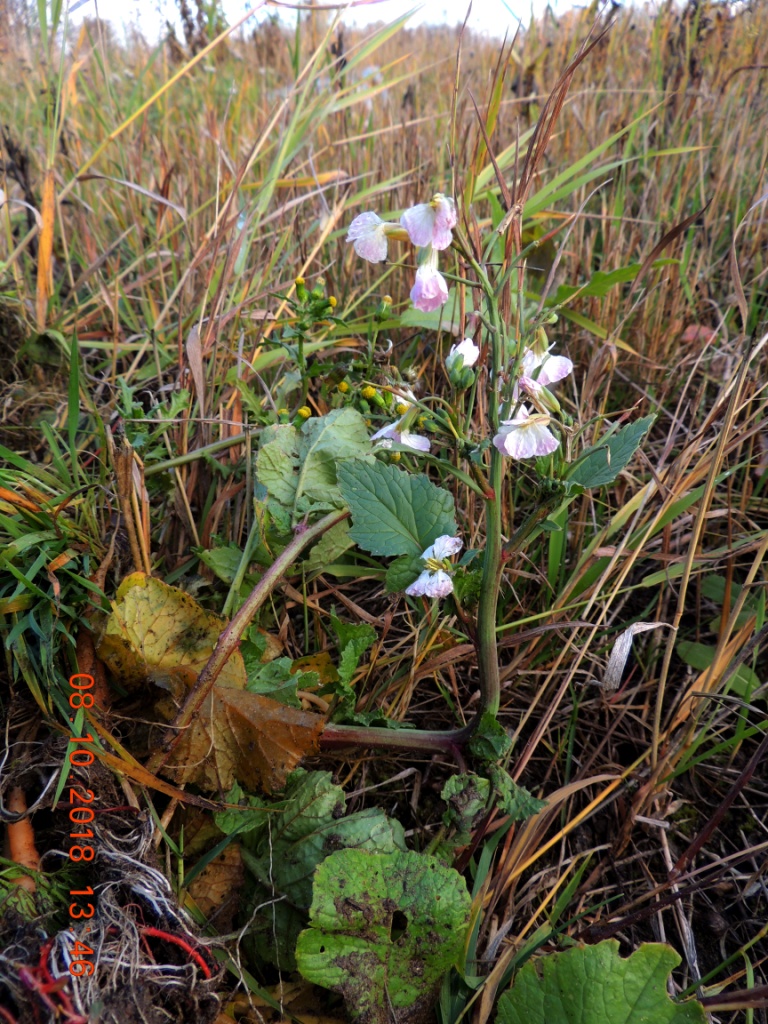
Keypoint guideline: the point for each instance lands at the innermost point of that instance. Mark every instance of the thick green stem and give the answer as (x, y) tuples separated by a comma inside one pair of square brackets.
[(487, 656), (230, 638)]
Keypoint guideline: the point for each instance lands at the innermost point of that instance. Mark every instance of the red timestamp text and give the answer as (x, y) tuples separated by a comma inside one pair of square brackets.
[(81, 816)]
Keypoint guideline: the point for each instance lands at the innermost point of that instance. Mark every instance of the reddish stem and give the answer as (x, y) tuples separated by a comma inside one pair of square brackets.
[(176, 940)]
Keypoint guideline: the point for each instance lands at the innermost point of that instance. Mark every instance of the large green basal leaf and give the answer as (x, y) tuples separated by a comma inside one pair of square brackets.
[(384, 930), (594, 985), (283, 852), (394, 512), (602, 463)]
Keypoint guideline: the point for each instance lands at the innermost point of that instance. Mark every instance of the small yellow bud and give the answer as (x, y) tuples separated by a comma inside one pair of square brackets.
[(343, 387), (401, 408), (305, 412), (422, 421), (300, 281), (394, 457), (387, 300), (368, 392), (283, 412), (332, 301)]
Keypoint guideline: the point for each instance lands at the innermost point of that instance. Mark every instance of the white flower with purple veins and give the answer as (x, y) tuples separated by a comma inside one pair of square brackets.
[(431, 223), (434, 580), (526, 436), (429, 291), (462, 356), (368, 234), (392, 433)]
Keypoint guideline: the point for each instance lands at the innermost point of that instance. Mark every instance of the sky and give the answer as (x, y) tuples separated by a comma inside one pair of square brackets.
[(490, 16)]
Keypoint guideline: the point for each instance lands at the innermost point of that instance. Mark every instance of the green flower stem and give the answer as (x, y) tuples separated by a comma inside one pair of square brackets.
[(302, 361), (228, 641), (488, 662)]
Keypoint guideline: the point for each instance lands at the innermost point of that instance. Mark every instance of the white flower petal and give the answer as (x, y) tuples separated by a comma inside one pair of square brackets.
[(367, 232), (446, 546), (419, 222), (416, 441), (445, 219), (429, 291), (553, 369), (389, 431), (530, 363), (463, 355), (419, 587), (526, 384), (363, 224), (439, 584), (527, 438)]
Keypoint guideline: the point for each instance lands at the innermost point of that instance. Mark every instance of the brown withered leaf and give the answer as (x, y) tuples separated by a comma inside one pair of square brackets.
[(243, 736), (219, 884), (157, 633)]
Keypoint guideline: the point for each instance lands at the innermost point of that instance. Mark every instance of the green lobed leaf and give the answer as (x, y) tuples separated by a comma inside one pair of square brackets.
[(250, 815), (468, 799), (277, 461), (329, 548), (394, 512), (354, 640), (512, 799), (324, 441), (278, 680), (602, 463), (594, 985), (283, 853), (490, 740), (223, 561), (384, 930)]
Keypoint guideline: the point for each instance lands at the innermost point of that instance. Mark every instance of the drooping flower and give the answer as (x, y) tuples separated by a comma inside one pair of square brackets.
[(429, 291), (392, 432), (526, 436), (550, 368), (462, 356), (434, 580), (368, 234), (431, 223)]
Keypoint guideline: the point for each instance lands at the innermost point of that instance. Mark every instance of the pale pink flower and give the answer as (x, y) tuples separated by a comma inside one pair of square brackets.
[(526, 436), (547, 369), (434, 580), (462, 356), (368, 234), (429, 291), (392, 433), (431, 223)]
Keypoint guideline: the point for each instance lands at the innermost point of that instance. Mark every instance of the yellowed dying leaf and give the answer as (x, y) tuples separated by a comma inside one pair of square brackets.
[(161, 634), (322, 663), (157, 633)]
